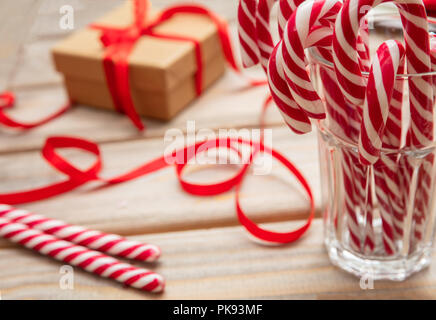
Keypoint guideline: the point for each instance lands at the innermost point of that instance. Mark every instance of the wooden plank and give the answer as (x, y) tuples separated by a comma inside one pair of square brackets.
[(156, 203), (219, 263)]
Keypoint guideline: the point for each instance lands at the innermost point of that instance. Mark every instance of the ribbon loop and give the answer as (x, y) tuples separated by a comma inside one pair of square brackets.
[(62, 165), (7, 100), (77, 177)]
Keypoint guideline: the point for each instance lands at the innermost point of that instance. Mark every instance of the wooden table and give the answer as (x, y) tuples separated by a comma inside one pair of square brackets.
[(206, 253)]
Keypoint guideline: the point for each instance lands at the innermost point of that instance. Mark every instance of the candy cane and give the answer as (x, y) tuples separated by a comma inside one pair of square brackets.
[(427, 171), (306, 21), (343, 123), (286, 8), (247, 32), (108, 243), (302, 21), (294, 117), (88, 260), (379, 91), (369, 242), (345, 56), (264, 39), (391, 169)]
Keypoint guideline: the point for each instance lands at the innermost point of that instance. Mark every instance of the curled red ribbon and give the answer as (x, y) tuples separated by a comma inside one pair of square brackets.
[(78, 177), (7, 100)]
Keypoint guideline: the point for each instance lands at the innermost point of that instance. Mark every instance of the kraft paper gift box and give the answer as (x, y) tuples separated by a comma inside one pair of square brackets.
[(162, 71)]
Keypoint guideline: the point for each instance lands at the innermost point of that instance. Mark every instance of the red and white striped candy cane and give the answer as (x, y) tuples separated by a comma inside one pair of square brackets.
[(84, 258), (247, 32), (301, 23), (369, 242), (427, 173), (294, 117), (345, 55), (379, 91), (391, 168), (388, 60), (343, 122), (340, 118), (265, 41), (286, 8), (306, 21), (108, 243)]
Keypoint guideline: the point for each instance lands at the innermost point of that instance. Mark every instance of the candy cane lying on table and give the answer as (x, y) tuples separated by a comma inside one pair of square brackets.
[(247, 32), (84, 258), (108, 243)]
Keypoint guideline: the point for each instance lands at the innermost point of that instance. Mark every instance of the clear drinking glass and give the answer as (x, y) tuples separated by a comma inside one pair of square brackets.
[(379, 220)]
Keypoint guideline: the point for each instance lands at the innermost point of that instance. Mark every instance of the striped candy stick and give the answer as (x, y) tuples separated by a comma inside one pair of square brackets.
[(310, 16), (341, 119), (379, 91), (84, 258), (265, 41), (344, 42), (369, 237), (108, 243), (345, 56), (286, 8), (391, 167), (381, 82), (345, 125), (297, 30), (427, 172), (294, 117), (247, 32)]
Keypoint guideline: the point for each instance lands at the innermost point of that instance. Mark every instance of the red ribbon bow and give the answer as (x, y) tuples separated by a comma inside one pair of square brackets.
[(120, 42)]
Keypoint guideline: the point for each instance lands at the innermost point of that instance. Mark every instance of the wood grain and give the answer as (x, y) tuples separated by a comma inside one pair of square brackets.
[(218, 263), (156, 203)]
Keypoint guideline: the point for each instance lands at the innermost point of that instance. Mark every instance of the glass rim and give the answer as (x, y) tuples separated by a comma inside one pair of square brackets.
[(340, 141), (324, 62), (393, 16)]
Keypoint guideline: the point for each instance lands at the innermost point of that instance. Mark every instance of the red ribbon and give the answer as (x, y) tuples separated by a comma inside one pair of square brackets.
[(7, 100), (78, 177)]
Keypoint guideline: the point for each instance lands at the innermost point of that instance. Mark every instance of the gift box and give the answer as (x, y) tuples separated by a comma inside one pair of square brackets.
[(162, 71)]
